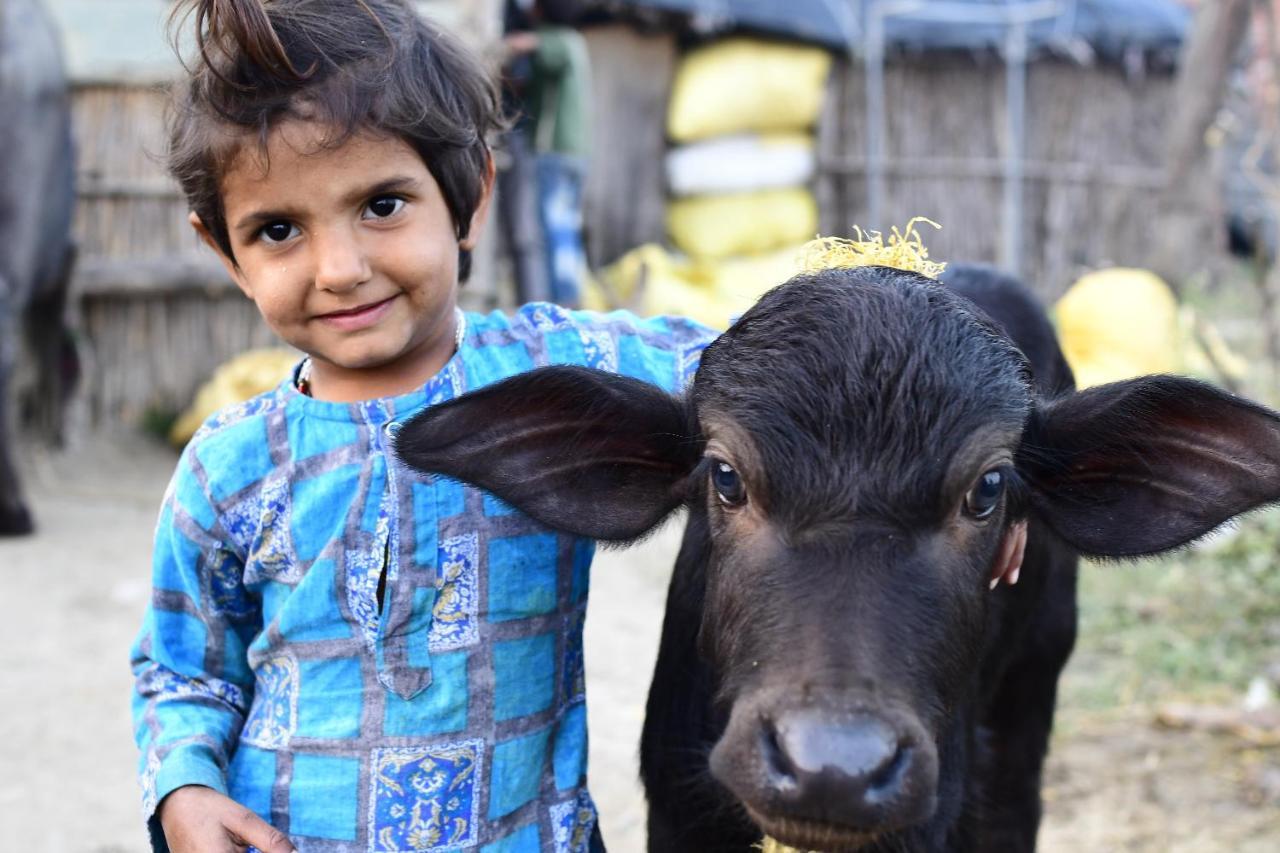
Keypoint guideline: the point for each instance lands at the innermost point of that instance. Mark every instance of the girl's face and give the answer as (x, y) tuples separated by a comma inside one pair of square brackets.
[(350, 254)]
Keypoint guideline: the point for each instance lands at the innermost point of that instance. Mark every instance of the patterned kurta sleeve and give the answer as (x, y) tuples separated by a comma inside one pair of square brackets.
[(661, 350), (193, 684)]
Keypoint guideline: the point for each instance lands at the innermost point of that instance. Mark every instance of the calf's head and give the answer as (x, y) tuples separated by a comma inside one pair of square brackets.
[(863, 449)]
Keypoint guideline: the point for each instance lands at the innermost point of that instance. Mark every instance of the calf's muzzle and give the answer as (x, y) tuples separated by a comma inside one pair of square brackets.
[(828, 770)]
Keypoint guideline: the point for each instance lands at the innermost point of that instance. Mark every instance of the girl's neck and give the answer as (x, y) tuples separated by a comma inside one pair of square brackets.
[(325, 381)]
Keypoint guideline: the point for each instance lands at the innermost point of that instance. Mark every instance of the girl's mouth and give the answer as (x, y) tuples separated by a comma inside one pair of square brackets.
[(357, 318)]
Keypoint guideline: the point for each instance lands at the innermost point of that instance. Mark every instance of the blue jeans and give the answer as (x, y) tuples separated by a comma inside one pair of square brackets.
[(560, 179)]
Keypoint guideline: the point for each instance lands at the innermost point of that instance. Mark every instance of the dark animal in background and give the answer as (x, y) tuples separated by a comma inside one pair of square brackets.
[(37, 195), (862, 454)]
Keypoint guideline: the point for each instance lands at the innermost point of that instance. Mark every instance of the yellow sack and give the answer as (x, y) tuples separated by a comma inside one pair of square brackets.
[(245, 376), (1120, 323), (739, 85), (718, 226), (649, 280), (1116, 324), (742, 281)]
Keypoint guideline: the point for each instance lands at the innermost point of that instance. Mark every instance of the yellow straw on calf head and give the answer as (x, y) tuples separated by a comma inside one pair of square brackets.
[(904, 250)]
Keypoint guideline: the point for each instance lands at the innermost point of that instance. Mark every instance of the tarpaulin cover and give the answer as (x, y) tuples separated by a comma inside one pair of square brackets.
[(1110, 27)]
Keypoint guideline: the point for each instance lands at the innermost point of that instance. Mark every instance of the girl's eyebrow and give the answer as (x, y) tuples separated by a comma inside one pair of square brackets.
[(397, 183), (253, 221)]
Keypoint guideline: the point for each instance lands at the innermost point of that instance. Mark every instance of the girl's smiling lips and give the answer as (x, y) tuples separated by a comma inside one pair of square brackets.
[(357, 318)]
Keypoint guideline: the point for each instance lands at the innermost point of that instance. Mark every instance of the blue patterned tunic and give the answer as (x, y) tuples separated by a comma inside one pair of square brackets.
[(453, 717)]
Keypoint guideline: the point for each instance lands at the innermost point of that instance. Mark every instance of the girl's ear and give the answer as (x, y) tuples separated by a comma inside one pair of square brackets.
[(1143, 466), (232, 268), (481, 214)]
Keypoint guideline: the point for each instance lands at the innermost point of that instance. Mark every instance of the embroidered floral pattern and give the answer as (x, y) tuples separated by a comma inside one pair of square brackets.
[(364, 568), (572, 822), (453, 619), (425, 799), (274, 716), (167, 684), (446, 384), (600, 349), (259, 527), (226, 585), (273, 554), (545, 317), (147, 779), (242, 521)]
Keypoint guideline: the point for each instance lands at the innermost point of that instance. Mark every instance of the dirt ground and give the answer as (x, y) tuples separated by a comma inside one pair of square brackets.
[(74, 594)]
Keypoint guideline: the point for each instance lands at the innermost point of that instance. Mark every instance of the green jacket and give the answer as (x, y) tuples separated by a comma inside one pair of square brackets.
[(560, 94)]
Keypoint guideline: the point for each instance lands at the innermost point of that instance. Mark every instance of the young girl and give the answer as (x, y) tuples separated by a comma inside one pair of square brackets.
[(339, 653)]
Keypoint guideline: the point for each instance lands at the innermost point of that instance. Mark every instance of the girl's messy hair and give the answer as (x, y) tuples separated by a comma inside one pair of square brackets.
[(352, 65)]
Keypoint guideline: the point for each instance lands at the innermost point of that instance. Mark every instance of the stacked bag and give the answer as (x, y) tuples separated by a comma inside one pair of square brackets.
[(740, 120), (1118, 323)]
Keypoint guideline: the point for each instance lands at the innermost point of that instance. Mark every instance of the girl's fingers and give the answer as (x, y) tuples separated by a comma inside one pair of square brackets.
[(248, 828)]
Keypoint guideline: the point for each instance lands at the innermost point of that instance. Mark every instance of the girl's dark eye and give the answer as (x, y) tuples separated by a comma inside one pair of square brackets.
[(728, 484), (277, 232), (984, 497), (384, 206)]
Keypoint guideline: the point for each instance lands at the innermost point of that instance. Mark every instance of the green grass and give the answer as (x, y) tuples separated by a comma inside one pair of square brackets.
[(156, 422), (1197, 626)]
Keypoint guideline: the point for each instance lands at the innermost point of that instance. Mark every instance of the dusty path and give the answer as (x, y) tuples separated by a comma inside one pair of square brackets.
[(75, 592), (74, 596)]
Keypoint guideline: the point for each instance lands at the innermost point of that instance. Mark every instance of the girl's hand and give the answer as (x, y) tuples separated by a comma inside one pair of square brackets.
[(197, 819)]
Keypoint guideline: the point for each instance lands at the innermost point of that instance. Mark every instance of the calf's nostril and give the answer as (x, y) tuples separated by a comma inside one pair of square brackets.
[(780, 775), (886, 782)]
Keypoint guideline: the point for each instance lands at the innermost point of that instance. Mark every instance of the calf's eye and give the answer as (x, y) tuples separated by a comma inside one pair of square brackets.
[(984, 497), (727, 483)]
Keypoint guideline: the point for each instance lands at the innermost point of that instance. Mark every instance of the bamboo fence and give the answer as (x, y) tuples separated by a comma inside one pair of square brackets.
[(1091, 160)]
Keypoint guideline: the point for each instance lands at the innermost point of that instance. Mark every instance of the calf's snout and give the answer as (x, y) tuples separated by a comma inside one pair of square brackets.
[(863, 771)]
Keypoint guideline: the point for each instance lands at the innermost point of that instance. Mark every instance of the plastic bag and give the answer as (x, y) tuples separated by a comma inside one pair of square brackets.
[(1120, 323), (243, 377), (718, 226), (746, 85), (740, 163), (650, 280)]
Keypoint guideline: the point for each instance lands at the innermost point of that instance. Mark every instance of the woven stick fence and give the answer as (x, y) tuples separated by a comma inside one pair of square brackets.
[(1091, 166)]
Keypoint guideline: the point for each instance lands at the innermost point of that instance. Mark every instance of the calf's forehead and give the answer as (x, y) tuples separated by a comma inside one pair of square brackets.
[(874, 372)]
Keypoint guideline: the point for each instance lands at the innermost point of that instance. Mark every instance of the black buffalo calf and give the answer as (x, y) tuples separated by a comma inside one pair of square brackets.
[(870, 460)]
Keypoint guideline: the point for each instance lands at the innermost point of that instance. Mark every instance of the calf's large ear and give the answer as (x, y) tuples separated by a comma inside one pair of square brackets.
[(1147, 465), (580, 450)]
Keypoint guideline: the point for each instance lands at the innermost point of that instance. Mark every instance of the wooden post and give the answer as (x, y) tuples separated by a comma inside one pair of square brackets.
[(1183, 228)]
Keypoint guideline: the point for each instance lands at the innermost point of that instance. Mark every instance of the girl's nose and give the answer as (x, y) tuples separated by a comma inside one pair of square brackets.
[(341, 263)]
